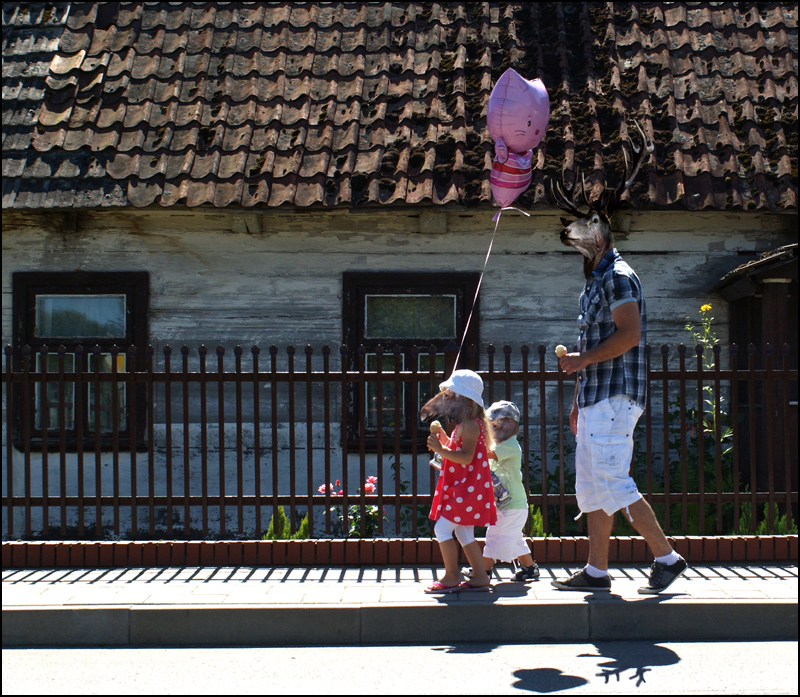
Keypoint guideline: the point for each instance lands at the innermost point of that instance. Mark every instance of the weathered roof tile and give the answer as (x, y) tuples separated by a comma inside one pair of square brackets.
[(354, 103)]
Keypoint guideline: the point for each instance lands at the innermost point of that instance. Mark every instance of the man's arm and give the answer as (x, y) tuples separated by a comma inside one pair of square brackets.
[(627, 335)]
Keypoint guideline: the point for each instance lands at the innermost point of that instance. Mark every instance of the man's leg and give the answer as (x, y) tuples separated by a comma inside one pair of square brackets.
[(599, 527), (644, 520)]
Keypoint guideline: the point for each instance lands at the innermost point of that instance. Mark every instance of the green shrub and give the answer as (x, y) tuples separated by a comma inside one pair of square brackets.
[(281, 530)]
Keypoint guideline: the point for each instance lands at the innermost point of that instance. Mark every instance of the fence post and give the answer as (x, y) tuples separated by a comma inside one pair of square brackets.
[(237, 352), (787, 435), (151, 467), (168, 434), (221, 438), (257, 438), (130, 380), (309, 351), (735, 426), (187, 514), (665, 433), (9, 444), (203, 351), (450, 355)]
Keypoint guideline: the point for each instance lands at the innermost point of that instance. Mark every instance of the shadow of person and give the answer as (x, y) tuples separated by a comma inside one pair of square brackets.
[(545, 680), (510, 589), (468, 648), (639, 657)]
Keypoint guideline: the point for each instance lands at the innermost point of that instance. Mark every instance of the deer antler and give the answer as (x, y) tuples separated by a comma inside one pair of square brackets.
[(643, 151), (560, 198), (608, 200)]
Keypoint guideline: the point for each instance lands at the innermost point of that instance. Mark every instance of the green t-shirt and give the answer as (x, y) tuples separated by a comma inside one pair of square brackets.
[(508, 468)]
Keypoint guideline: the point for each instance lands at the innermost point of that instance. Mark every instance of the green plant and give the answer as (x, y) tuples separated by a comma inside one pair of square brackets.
[(353, 518), (536, 522), (699, 432), (782, 525), (281, 530)]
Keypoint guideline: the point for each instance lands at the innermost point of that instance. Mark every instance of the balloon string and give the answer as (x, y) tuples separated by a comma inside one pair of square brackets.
[(496, 220)]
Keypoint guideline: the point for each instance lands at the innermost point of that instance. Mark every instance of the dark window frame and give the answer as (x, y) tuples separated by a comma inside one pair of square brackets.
[(135, 285), (356, 286)]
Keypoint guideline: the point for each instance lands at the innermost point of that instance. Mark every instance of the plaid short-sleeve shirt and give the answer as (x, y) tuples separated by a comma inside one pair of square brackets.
[(611, 284)]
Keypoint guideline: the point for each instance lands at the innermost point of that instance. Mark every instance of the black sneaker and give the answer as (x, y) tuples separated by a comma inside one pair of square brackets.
[(662, 576), (527, 573), (581, 581)]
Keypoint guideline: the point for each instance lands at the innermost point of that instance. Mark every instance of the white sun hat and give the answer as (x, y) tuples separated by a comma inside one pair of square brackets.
[(467, 383), (503, 409)]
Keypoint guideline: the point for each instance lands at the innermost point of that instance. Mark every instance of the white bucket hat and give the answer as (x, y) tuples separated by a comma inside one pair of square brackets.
[(467, 383), (503, 409)]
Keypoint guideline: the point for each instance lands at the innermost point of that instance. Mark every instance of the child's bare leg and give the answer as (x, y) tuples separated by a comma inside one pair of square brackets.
[(475, 557), (449, 550), (525, 560), (488, 564)]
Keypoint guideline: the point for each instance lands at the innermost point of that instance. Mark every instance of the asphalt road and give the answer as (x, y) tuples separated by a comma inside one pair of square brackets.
[(603, 668)]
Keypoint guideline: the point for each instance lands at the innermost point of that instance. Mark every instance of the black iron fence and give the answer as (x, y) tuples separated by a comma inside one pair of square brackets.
[(101, 444)]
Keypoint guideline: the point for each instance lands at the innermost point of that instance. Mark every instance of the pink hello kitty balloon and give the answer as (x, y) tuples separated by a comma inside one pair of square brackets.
[(517, 117)]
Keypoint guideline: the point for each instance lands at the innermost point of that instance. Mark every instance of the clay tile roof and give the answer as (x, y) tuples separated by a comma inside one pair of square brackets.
[(351, 103)]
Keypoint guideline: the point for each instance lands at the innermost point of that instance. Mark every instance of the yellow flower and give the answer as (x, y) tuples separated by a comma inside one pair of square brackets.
[(705, 308)]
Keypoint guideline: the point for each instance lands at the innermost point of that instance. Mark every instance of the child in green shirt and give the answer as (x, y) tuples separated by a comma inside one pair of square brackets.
[(504, 541)]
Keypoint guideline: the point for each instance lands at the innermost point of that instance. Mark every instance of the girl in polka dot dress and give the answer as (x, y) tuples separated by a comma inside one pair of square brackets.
[(464, 494)]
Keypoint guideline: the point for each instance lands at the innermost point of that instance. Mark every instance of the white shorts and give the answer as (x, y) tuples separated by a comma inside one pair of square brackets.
[(444, 530), (603, 456), (504, 540)]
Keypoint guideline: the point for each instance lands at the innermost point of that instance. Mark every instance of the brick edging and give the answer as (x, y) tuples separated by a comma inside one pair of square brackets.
[(551, 550)]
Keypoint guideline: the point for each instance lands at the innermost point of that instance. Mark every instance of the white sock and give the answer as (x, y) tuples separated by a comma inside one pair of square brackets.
[(594, 572), (668, 559)]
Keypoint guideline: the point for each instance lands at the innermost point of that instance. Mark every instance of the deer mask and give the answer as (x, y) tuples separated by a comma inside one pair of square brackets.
[(591, 234)]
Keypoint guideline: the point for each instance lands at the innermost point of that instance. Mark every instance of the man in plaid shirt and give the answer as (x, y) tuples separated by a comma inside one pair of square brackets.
[(610, 396)]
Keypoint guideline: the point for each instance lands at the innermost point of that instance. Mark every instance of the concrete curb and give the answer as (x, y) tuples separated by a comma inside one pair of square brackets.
[(354, 625)]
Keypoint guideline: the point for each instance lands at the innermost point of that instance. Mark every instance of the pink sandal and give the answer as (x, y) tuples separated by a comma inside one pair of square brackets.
[(441, 588), (467, 586)]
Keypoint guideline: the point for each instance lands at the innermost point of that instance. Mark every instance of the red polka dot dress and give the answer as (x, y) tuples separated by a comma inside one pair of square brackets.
[(464, 493)]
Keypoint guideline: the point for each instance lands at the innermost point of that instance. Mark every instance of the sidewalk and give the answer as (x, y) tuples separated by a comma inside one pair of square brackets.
[(262, 606)]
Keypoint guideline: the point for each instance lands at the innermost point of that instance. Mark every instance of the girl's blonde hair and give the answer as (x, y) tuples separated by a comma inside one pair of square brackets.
[(478, 412)]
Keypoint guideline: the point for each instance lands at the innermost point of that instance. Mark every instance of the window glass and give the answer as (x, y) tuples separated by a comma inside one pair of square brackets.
[(80, 316), (53, 393), (388, 394), (106, 361), (410, 317)]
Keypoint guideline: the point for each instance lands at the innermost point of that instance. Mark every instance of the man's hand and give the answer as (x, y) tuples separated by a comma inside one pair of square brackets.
[(573, 362), (573, 419), (627, 335)]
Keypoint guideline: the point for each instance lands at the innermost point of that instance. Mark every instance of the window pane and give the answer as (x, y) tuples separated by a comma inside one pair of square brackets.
[(80, 316), (410, 317), (389, 395), (53, 393), (107, 395)]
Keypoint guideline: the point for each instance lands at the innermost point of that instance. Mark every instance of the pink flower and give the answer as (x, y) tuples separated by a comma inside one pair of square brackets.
[(340, 492), (372, 480), (321, 489), (369, 488), (337, 483)]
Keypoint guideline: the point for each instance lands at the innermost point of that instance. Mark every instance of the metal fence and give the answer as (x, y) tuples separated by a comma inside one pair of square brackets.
[(108, 443)]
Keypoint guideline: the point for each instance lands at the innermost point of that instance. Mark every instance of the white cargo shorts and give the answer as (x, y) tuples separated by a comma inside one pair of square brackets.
[(603, 456)]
